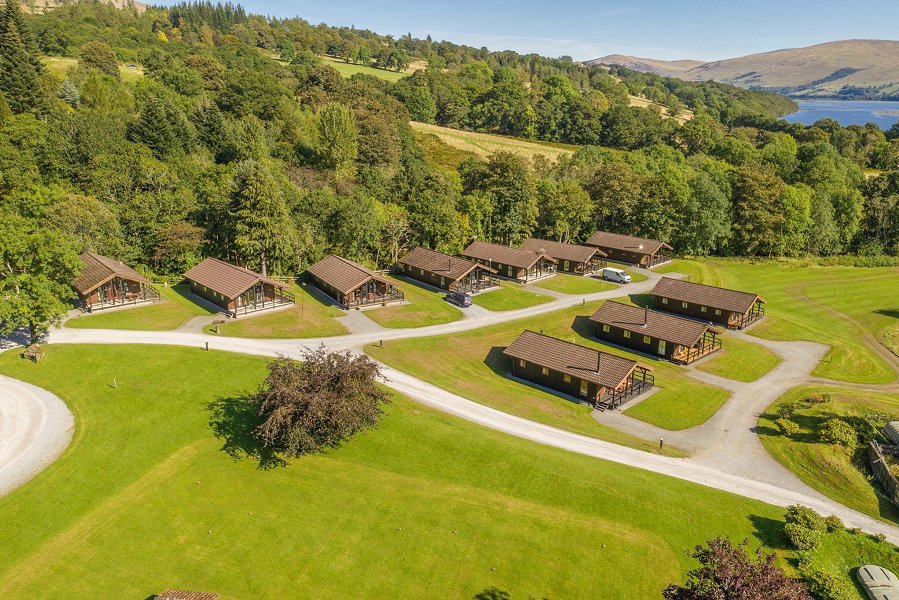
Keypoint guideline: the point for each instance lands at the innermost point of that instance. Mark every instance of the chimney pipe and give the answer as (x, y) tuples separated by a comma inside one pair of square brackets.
[(645, 315), (598, 361)]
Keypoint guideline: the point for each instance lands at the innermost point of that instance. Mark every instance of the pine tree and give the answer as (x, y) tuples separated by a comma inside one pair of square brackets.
[(20, 65), (262, 233), (5, 113), (68, 93), (153, 127)]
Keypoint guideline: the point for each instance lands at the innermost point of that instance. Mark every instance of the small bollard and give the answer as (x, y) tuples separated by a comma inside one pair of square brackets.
[(661, 443), (115, 384), (207, 346), (380, 343), (583, 302)]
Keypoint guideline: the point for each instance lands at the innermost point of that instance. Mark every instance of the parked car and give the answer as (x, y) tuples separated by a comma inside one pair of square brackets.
[(459, 299), (615, 275)]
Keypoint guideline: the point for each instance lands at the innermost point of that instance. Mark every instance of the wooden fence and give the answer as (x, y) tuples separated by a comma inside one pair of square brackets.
[(881, 470)]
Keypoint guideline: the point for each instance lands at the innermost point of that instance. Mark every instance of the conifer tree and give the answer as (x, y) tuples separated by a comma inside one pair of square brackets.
[(20, 65), (153, 127), (262, 233)]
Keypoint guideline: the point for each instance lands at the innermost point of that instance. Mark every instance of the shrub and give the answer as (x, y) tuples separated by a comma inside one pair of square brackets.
[(817, 398), (785, 411), (827, 586), (320, 402), (879, 537), (838, 432), (34, 353), (805, 517), (787, 427), (802, 538), (833, 523)]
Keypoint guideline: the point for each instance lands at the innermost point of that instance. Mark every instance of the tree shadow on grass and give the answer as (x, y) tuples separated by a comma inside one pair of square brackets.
[(234, 421), (768, 531)]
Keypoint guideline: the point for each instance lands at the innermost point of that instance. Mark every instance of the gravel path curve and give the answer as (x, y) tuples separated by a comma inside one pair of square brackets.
[(35, 428)]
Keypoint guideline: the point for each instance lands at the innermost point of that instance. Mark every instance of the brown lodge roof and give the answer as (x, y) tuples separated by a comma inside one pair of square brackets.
[(705, 295), (186, 595), (504, 255), (342, 274), (99, 269), (660, 325), (629, 243), (572, 359), (228, 280), (451, 267), (561, 251)]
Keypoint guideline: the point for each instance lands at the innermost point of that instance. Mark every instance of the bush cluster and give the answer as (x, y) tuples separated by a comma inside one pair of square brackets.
[(838, 432)]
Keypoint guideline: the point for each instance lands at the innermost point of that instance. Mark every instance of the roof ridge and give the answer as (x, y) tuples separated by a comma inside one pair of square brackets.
[(557, 339), (353, 264), (706, 285)]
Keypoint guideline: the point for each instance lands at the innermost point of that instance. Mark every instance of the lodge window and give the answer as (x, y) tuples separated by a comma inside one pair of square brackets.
[(627, 333), (584, 388), (646, 339), (718, 312), (664, 300), (702, 309), (522, 363), (567, 378), (605, 328), (421, 271), (684, 305), (544, 370)]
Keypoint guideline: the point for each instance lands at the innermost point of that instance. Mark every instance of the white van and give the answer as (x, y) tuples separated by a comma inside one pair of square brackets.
[(615, 275)]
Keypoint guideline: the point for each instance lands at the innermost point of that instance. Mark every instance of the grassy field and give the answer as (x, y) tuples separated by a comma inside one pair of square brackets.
[(575, 284), (472, 365), (846, 308), (441, 154), (740, 360), (348, 69), (510, 296), (832, 470), (426, 307), (163, 487), (485, 144), (309, 317), (175, 308), (58, 66)]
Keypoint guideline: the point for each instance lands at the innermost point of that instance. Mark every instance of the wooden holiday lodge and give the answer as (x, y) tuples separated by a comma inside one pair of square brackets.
[(570, 258), (604, 380), (234, 289), (444, 271), (351, 284), (643, 252), (731, 308), (652, 332), (513, 263), (106, 282)]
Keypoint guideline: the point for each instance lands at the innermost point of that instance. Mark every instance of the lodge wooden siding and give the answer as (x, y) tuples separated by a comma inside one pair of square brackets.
[(442, 281), (643, 252), (229, 304), (618, 335), (692, 309), (555, 380)]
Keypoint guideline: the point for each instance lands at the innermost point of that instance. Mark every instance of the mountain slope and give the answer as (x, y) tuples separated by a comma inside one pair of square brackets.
[(849, 68)]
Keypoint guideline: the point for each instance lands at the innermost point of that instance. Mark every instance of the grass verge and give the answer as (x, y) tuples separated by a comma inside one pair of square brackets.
[(309, 317), (174, 309), (575, 284), (425, 307), (833, 470), (165, 461), (509, 296), (740, 360)]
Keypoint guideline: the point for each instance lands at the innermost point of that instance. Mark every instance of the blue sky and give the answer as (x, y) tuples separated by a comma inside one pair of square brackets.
[(584, 30)]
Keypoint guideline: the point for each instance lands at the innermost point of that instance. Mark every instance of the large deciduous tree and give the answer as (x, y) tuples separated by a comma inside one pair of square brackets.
[(319, 402), (101, 57), (336, 143), (37, 267), (728, 572)]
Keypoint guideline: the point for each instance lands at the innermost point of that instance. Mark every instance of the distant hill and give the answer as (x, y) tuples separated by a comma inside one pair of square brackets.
[(42, 6), (845, 69)]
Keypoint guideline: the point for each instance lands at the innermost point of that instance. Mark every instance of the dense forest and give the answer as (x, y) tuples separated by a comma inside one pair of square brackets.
[(201, 130)]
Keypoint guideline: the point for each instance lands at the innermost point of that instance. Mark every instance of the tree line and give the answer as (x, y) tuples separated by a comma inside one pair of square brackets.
[(226, 143)]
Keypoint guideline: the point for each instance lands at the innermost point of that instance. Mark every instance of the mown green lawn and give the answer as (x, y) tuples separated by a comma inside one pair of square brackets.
[(509, 296), (681, 409), (58, 66), (349, 69), (425, 307), (575, 284), (309, 317), (472, 365), (174, 309), (162, 487), (832, 470), (739, 360), (846, 308)]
